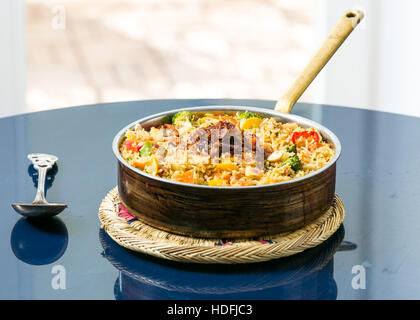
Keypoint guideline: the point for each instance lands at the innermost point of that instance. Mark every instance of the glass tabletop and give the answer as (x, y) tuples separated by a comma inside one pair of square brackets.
[(374, 254)]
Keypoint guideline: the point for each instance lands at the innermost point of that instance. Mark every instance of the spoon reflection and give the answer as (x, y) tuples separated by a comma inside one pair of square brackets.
[(39, 242)]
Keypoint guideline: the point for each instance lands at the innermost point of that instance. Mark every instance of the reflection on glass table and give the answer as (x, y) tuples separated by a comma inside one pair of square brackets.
[(39, 241), (33, 173), (308, 275)]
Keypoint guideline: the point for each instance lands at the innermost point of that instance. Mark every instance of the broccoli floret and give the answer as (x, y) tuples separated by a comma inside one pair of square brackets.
[(248, 115), (291, 149), (294, 162), (181, 117)]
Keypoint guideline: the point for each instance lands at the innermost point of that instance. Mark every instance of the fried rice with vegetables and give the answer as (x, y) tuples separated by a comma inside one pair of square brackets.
[(220, 149)]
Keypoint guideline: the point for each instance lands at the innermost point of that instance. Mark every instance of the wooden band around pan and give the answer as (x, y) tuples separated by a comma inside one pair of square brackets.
[(226, 212)]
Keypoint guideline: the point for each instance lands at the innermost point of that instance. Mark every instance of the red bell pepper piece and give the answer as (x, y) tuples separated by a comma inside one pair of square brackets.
[(129, 146), (305, 135)]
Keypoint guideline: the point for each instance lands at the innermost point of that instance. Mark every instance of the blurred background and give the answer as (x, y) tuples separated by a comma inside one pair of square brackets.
[(61, 53)]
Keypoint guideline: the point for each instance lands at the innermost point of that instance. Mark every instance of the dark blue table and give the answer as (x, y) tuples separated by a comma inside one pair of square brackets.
[(375, 255)]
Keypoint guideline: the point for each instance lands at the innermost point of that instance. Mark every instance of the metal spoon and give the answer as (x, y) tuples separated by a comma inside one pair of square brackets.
[(40, 207)]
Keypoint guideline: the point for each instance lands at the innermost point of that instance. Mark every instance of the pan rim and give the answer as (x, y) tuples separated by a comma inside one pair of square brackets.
[(295, 118)]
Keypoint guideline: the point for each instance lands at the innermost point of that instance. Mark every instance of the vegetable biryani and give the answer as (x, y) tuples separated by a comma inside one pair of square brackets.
[(220, 149)]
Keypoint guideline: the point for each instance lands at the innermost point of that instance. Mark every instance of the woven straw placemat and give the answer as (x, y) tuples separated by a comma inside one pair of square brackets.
[(133, 234)]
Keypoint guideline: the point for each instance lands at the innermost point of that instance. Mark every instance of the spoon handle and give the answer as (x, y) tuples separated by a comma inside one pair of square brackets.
[(40, 192), (335, 39)]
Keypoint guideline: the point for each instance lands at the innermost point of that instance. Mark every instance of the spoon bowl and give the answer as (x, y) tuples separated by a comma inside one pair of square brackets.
[(32, 210)]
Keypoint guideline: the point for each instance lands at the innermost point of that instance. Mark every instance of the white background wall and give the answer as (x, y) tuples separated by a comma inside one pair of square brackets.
[(377, 66), (12, 57)]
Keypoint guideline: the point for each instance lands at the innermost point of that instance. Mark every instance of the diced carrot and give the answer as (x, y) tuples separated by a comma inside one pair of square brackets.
[(227, 177), (312, 147), (186, 177), (228, 118), (139, 165), (170, 126), (222, 175)]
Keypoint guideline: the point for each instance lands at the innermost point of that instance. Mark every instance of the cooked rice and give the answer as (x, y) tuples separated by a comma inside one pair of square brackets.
[(173, 155)]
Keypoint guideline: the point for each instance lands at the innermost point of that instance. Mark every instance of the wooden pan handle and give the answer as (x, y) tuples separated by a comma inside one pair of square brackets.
[(337, 36)]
